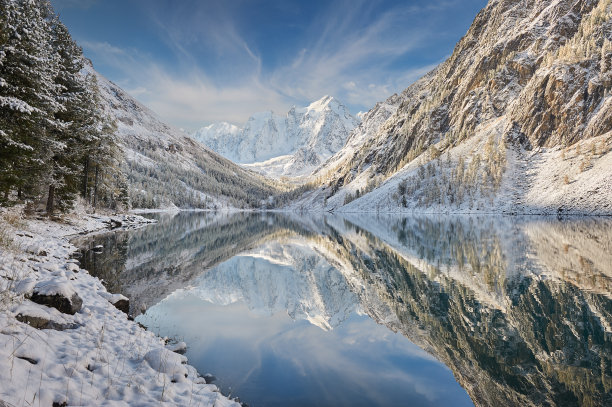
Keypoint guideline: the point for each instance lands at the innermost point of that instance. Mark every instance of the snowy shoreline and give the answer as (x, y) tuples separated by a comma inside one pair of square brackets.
[(79, 349), (539, 212)]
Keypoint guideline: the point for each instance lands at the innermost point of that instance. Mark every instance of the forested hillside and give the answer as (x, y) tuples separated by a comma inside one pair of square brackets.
[(166, 168), (55, 141), (66, 131)]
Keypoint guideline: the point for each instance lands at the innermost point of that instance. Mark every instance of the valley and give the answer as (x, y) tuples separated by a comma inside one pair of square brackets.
[(189, 217)]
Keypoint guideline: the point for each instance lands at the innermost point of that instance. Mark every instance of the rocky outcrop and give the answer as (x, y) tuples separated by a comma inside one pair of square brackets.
[(39, 322), (57, 294)]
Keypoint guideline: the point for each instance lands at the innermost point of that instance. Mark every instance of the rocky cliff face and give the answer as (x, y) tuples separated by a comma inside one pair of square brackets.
[(532, 76)]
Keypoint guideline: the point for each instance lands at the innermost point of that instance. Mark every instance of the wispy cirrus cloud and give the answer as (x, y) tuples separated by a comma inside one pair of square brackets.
[(354, 64), (188, 100), (230, 59)]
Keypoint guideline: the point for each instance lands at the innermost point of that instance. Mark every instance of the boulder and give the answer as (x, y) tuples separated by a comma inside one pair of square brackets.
[(39, 322), (42, 317), (164, 361), (57, 294), (179, 347), (123, 304)]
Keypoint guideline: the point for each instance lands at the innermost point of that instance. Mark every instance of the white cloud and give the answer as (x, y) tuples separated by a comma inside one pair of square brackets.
[(353, 64), (193, 101), (189, 100)]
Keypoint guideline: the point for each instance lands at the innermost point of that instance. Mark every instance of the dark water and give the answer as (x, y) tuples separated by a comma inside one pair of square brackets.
[(376, 311)]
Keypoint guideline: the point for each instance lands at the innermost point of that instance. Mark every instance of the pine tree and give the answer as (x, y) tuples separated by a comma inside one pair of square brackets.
[(27, 105), (104, 178), (74, 117), (55, 139)]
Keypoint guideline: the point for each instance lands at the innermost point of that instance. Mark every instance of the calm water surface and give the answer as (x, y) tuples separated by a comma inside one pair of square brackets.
[(377, 310)]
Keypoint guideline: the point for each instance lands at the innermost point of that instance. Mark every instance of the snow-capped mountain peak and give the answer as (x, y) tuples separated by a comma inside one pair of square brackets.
[(322, 103), (284, 145), (222, 127)]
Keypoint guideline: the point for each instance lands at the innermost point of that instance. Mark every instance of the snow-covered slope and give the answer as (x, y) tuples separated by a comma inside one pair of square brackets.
[(166, 168), (92, 356), (221, 137), (289, 145), (517, 119)]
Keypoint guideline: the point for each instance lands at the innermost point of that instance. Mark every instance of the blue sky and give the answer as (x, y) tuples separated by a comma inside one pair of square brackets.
[(197, 62)]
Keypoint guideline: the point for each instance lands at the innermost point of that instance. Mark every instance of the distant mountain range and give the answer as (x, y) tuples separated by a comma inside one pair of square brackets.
[(291, 145)]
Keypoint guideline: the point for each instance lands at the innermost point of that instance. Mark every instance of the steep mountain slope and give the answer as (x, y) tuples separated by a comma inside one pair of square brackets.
[(166, 168), (221, 137), (517, 119), (289, 145)]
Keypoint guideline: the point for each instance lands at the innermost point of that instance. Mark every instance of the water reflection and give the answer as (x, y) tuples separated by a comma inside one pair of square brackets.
[(306, 311), (150, 263)]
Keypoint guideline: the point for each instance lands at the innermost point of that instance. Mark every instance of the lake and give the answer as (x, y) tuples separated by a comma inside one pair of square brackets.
[(376, 310)]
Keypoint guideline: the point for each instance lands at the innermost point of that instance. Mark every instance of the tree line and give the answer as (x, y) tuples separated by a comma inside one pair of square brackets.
[(56, 142)]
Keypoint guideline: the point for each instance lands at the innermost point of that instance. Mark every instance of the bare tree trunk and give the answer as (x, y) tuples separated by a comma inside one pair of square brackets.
[(51, 200), (86, 179), (95, 197), (19, 194)]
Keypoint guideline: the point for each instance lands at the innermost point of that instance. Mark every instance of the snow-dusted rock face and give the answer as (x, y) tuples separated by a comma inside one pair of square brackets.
[(532, 76), (371, 122), (221, 137), (289, 145)]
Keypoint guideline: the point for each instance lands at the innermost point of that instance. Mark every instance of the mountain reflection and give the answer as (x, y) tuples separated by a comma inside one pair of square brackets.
[(519, 309)]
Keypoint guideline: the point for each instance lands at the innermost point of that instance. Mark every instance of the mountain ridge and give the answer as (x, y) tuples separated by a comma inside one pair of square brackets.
[(283, 145)]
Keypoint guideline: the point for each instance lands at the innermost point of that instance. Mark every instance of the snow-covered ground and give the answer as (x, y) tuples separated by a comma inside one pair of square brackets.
[(94, 356)]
